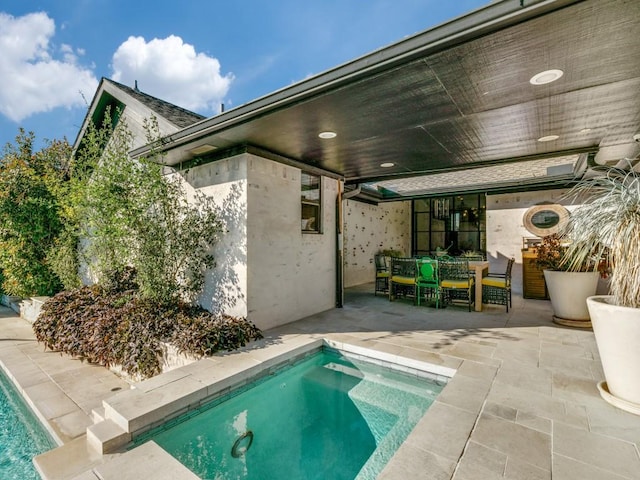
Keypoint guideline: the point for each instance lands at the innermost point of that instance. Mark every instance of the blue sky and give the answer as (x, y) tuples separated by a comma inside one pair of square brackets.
[(196, 54)]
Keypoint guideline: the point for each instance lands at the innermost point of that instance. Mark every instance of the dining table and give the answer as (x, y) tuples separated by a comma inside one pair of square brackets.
[(480, 268)]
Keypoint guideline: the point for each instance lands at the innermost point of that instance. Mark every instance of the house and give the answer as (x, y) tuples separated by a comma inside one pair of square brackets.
[(447, 137)]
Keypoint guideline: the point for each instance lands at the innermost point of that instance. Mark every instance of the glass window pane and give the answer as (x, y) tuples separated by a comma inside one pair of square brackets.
[(468, 241), (421, 205), (457, 222), (422, 242), (422, 222), (310, 195)]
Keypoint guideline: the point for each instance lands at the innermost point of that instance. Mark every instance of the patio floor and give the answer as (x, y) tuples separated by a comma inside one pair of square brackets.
[(522, 405)]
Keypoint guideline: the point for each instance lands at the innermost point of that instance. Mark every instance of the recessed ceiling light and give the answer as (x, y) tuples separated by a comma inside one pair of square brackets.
[(387, 164), (545, 77), (549, 138), (327, 134)]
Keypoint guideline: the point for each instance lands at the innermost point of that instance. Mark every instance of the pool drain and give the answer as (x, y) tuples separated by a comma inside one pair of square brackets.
[(242, 444)]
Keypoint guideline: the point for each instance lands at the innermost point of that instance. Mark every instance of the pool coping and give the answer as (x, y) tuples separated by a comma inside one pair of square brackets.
[(26, 398), (150, 403)]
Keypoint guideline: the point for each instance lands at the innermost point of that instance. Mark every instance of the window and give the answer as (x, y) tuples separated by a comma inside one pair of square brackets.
[(455, 223), (311, 201)]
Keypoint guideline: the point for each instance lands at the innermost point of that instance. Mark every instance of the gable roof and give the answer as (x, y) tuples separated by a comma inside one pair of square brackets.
[(180, 117), (116, 96)]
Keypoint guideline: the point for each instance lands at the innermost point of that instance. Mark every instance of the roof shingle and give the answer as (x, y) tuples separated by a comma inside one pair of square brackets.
[(180, 117)]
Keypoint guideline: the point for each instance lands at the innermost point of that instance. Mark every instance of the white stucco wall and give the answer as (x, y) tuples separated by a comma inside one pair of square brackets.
[(369, 229), (266, 268), (505, 228), (291, 274), (225, 181)]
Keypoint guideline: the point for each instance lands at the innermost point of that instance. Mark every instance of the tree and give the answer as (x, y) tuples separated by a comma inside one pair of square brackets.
[(30, 219), (131, 213)]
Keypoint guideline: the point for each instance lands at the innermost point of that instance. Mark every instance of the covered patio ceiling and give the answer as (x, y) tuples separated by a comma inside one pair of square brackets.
[(456, 97)]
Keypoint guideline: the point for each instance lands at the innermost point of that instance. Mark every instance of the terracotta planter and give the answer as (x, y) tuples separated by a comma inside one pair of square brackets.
[(568, 292), (617, 331)]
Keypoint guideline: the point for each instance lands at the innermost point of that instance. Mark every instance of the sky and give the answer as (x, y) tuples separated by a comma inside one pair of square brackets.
[(195, 54)]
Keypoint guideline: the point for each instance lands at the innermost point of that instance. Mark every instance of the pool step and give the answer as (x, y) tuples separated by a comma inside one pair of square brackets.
[(421, 387), (331, 378), (98, 415), (106, 436), (367, 389)]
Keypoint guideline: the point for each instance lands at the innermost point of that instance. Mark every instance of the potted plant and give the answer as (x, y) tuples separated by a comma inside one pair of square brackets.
[(441, 252), (569, 283), (609, 218)]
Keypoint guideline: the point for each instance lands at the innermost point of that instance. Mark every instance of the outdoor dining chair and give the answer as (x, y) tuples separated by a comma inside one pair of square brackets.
[(456, 281), (403, 277), (496, 287), (382, 274), (427, 279)]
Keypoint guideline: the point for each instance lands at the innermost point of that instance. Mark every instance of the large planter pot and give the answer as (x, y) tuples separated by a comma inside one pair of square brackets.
[(568, 292), (617, 331)]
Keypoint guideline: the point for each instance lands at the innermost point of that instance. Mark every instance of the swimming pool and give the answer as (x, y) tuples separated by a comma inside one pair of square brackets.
[(21, 435), (326, 416)]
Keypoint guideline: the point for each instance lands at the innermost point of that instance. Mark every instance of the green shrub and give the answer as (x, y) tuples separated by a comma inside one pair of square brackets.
[(30, 219), (201, 333), (118, 327)]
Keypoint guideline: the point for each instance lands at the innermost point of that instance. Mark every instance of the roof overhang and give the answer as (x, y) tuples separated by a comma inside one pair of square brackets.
[(454, 97)]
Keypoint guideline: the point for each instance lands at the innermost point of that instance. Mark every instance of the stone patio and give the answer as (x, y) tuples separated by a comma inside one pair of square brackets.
[(522, 405)]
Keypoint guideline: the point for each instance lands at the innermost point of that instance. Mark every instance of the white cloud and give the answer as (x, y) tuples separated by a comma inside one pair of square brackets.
[(172, 70), (33, 79)]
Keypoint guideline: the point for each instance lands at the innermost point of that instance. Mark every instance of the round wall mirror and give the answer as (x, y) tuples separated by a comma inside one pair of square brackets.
[(546, 219)]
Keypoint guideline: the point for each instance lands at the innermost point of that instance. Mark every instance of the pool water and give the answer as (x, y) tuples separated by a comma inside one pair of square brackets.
[(21, 435), (326, 416)]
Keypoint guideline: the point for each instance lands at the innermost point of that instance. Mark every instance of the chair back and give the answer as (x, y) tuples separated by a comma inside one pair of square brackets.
[(403, 267), (507, 274), (454, 268), (381, 263), (427, 271)]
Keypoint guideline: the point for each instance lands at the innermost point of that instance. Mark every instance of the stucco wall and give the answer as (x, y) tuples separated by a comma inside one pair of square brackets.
[(291, 274), (369, 229), (505, 228), (225, 181), (266, 268)]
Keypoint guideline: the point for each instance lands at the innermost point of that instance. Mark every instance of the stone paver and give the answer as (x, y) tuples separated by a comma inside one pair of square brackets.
[(62, 390), (607, 453), (515, 441), (522, 405)]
